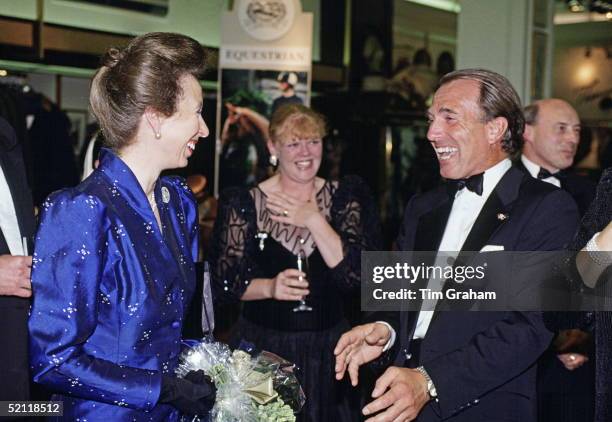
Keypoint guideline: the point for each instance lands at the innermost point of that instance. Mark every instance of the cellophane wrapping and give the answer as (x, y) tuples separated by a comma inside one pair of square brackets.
[(255, 388)]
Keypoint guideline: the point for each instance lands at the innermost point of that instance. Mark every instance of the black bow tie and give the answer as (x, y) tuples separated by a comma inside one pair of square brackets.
[(473, 183), (545, 174)]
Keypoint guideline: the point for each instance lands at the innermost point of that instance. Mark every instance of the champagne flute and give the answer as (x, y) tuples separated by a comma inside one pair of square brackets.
[(302, 266)]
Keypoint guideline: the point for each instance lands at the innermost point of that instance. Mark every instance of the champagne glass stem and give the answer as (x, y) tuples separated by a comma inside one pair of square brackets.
[(301, 264)]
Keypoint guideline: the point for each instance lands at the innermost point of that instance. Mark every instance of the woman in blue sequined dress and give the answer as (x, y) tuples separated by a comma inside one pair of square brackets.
[(113, 268)]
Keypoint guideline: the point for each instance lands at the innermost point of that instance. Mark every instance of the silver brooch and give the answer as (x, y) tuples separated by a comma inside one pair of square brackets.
[(262, 236), (502, 217), (165, 194)]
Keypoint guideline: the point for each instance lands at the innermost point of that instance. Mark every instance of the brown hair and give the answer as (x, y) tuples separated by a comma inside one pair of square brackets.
[(497, 99), (144, 74), (293, 121)]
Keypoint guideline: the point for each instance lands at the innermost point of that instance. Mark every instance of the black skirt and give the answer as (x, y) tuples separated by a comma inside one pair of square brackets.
[(312, 352)]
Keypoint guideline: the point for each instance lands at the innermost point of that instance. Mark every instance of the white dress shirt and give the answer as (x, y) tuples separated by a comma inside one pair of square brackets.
[(464, 212), (534, 169), (8, 218)]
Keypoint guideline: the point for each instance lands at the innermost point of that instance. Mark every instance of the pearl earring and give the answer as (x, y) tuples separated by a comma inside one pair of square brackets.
[(273, 160), (157, 135)]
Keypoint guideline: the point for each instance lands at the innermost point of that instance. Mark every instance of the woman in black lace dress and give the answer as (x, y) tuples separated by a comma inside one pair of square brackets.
[(596, 230), (258, 236)]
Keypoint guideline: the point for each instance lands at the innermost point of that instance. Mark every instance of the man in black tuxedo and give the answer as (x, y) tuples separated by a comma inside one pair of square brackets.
[(16, 231), (552, 135), (468, 366)]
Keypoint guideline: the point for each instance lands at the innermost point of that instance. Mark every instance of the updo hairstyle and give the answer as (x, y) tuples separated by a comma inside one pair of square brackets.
[(146, 73)]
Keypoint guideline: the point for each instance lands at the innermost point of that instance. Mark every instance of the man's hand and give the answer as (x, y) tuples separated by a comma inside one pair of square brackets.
[(401, 393), (15, 275), (362, 344), (572, 361)]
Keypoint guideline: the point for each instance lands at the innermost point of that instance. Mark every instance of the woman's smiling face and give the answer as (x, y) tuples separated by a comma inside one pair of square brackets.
[(181, 131)]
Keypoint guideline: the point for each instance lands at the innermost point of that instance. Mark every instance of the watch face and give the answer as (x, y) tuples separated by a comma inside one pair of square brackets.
[(432, 390)]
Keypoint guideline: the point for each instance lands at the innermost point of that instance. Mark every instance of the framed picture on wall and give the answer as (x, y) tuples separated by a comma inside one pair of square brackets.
[(78, 126)]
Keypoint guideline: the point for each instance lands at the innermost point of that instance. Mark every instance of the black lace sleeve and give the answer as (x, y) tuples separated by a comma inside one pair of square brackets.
[(232, 267), (595, 219), (355, 218), (599, 213)]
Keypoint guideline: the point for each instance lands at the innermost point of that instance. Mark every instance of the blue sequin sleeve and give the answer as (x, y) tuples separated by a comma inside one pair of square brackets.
[(70, 259)]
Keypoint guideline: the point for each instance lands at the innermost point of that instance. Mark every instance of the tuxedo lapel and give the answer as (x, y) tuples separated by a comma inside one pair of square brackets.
[(428, 235), (521, 166), (495, 213), (431, 225), (491, 217)]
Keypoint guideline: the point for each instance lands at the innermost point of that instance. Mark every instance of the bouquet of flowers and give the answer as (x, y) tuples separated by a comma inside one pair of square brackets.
[(255, 388)]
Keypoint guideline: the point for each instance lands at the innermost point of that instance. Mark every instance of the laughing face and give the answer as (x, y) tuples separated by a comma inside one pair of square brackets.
[(300, 159), (182, 130), (296, 140), (462, 140)]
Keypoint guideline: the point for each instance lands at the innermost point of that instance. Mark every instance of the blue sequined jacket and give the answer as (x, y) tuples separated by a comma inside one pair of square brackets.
[(110, 293)]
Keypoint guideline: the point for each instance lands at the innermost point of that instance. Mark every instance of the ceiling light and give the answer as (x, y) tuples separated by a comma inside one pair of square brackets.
[(585, 74)]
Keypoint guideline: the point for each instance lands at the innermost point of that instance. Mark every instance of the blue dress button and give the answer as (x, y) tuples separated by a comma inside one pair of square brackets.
[(176, 324)]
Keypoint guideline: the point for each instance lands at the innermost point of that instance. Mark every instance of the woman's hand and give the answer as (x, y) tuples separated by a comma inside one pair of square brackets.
[(288, 210), (289, 284), (604, 240), (305, 214), (193, 395)]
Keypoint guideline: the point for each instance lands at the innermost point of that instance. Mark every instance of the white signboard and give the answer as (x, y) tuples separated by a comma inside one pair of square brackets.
[(265, 61)]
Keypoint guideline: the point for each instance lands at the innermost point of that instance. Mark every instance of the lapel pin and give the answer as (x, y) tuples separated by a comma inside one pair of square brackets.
[(165, 194), (502, 216)]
